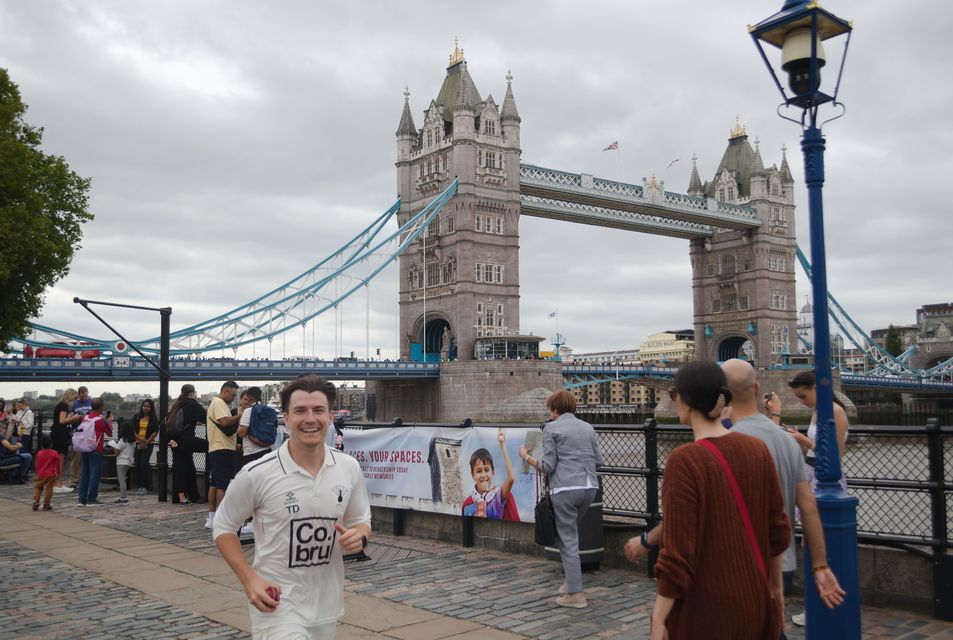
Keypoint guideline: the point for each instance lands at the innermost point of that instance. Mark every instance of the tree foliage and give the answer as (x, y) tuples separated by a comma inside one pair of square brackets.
[(43, 205), (892, 343)]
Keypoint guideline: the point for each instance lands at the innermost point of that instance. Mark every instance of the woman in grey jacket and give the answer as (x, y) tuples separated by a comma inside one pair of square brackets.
[(570, 455)]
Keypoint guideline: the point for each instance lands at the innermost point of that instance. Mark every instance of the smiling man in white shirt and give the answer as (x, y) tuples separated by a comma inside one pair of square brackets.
[(310, 507)]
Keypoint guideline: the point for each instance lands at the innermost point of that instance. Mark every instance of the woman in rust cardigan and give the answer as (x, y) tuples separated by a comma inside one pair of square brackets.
[(709, 578)]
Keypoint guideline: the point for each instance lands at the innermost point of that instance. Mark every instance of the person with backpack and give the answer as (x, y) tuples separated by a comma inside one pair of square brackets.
[(88, 440), (180, 425), (258, 428)]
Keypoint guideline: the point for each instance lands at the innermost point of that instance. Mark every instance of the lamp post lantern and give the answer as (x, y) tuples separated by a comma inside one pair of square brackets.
[(799, 30)]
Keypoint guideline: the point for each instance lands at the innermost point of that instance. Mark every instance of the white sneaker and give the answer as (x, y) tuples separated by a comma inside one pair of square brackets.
[(799, 619), (248, 529), (62, 489), (209, 520)]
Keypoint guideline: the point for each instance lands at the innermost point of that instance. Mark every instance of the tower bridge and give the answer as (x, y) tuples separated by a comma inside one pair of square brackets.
[(462, 189)]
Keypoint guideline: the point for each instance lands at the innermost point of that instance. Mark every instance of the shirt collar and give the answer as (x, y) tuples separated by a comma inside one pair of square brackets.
[(288, 464)]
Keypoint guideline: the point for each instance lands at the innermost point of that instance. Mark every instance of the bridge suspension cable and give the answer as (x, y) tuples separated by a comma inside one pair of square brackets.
[(883, 363), (320, 288)]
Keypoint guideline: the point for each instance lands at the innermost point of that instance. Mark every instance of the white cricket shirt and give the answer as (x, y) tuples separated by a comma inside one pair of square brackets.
[(295, 540)]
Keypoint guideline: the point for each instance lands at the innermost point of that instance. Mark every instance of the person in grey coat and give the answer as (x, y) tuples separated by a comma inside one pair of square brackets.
[(570, 455)]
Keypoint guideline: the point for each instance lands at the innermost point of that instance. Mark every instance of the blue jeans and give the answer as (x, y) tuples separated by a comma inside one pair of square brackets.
[(25, 460), (91, 468)]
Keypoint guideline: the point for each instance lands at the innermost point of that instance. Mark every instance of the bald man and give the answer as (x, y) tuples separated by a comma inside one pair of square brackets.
[(795, 488)]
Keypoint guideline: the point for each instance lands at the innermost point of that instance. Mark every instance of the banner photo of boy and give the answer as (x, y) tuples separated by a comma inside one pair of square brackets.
[(448, 470)]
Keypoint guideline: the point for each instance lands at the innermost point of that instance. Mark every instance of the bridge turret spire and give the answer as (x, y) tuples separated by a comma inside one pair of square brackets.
[(785, 169), (406, 126), (758, 162), (509, 112), (695, 187)]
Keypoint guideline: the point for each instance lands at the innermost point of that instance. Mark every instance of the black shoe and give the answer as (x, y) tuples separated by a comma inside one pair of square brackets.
[(47, 507)]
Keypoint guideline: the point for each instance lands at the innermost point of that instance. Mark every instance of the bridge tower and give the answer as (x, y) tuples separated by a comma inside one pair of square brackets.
[(460, 279), (743, 281)]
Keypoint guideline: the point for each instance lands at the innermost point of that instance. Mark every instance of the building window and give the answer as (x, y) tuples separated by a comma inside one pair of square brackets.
[(478, 223), (716, 305), (489, 127), (429, 137), (710, 269), (445, 163), (727, 264), (748, 263), (490, 160), (433, 274), (731, 193), (488, 273), (478, 272), (499, 226), (721, 194), (450, 223), (499, 274), (479, 157), (729, 302), (743, 303)]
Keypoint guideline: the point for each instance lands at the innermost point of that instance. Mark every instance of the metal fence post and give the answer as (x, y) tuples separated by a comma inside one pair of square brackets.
[(942, 562), (651, 485)]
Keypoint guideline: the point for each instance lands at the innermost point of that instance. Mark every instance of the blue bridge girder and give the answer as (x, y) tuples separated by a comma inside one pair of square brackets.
[(582, 198), (122, 368), (136, 369)]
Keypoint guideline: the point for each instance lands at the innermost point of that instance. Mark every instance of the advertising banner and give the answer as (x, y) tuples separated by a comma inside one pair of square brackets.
[(475, 471)]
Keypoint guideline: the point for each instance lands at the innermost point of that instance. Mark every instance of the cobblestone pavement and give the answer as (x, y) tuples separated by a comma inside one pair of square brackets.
[(500, 595)]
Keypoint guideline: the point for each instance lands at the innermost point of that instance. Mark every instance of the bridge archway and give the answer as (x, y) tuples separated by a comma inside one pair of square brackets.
[(735, 346), (428, 345)]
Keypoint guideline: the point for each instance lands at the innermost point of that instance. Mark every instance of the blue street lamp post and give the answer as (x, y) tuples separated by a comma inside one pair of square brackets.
[(798, 30)]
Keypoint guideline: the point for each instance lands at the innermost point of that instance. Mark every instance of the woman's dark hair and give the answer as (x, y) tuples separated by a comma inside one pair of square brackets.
[(562, 402), (187, 391), (803, 380), (701, 386), (127, 431), (309, 383), (152, 407)]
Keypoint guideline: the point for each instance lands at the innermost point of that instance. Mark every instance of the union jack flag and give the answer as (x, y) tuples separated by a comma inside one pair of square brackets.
[(612, 147)]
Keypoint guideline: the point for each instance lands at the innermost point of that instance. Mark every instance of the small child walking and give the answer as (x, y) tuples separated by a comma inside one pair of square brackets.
[(125, 453), (47, 470)]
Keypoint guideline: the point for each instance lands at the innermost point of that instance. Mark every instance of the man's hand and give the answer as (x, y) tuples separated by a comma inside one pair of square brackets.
[(351, 540), (256, 589), (828, 589), (634, 550)]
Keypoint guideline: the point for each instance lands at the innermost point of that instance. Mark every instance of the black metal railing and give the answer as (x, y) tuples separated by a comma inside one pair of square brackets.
[(902, 477)]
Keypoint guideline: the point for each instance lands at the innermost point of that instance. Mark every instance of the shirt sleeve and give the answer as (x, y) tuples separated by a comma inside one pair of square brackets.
[(358, 506), (550, 457), (236, 507), (678, 556), (218, 410), (596, 450), (246, 418)]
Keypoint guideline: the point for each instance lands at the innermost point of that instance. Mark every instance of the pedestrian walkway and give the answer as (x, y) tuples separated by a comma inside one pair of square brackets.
[(150, 570)]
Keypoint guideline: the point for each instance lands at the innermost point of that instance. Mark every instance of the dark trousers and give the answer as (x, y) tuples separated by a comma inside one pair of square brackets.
[(142, 466), (183, 465)]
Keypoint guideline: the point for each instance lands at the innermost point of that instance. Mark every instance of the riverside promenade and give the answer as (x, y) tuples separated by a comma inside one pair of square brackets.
[(150, 570)]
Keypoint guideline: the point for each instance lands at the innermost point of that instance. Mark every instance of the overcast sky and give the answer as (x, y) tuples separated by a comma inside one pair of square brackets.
[(232, 145)]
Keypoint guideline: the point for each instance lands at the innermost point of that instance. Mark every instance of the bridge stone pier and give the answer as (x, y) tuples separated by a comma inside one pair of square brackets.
[(486, 391)]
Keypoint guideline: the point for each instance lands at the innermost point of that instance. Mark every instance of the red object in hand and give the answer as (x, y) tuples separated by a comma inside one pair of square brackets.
[(273, 594)]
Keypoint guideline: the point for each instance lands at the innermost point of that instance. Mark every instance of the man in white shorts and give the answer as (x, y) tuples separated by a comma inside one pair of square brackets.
[(310, 507)]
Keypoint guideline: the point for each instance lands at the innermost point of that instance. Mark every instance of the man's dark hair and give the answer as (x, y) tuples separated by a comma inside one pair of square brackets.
[(481, 455), (253, 392), (45, 442), (309, 383), (97, 404), (231, 384)]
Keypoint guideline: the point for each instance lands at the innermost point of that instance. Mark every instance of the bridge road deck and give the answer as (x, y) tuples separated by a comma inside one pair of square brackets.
[(151, 570)]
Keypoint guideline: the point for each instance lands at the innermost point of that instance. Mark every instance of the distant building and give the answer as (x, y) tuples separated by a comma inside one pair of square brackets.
[(668, 347), (619, 356)]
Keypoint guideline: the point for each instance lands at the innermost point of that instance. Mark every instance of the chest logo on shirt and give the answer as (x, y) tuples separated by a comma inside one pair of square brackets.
[(311, 541), (291, 502)]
